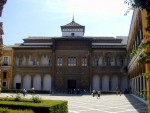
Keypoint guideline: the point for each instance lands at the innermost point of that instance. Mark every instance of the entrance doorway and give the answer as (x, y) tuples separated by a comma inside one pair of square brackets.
[(18, 85), (71, 86)]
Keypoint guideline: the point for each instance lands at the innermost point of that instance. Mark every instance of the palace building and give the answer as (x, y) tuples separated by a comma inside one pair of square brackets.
[(2, 3), (6, 73), (136, 70), (72, 61), (137, 36)]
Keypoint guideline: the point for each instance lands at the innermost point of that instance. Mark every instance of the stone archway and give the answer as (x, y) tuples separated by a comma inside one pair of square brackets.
[(105, 83), (124, 83), (27, 82), (114, 83), (96, 82), (17, 82), (37, 82), (47, 82)]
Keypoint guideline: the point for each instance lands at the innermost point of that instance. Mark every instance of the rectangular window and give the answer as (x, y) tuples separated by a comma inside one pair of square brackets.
[(95, 62), (5, 61), (34, 62), (121, 62), (84, 61), (4, 84), (108, 61), (71, 61), (59, 61), (49, 62), (20, 61)]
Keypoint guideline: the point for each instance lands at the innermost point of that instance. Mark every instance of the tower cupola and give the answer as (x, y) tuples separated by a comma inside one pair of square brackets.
[(73, 29)]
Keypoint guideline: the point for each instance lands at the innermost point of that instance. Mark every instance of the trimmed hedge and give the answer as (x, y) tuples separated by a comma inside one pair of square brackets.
[(6, 110), (46, 106), (29, 91)]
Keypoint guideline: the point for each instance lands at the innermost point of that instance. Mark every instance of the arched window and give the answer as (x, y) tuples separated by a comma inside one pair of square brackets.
[(108, 61)]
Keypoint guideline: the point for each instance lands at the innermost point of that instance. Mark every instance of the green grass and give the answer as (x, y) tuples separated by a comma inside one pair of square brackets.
[(29, 102)]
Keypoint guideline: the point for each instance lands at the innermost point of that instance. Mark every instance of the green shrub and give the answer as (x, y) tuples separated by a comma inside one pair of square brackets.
[(36, 99), (29, 91), (6, 98), (18, 97), (46, 106), (59, 108), (6, 110)]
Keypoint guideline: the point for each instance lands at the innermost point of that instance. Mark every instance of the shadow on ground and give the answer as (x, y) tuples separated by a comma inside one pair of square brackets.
[(137, 104)]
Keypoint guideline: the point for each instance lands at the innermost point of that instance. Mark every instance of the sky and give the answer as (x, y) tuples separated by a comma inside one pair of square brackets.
[(24, 18)]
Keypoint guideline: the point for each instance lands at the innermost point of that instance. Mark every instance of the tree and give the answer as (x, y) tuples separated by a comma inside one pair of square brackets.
[(142, 5)]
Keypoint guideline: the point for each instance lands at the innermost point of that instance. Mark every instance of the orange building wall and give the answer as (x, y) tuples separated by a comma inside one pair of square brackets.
[(7, 52)]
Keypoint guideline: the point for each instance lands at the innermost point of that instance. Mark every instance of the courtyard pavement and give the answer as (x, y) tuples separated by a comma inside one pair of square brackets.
[(89, 104)]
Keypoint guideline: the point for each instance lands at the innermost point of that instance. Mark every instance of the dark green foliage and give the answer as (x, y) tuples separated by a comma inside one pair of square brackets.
[(60, 108), (29, 91), (142, 4), (143, 94), (6, 110), (36, 99), (18, 97), (145, 55)]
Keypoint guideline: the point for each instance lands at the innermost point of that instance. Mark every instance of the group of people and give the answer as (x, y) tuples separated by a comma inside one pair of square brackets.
[(73, 91), (98, 93), (77, 91), (25, 91)]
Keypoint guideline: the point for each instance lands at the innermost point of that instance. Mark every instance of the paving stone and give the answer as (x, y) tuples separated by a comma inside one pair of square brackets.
[(89, 104)]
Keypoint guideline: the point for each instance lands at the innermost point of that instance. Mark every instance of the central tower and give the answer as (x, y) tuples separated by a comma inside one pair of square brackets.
[(73, 29)]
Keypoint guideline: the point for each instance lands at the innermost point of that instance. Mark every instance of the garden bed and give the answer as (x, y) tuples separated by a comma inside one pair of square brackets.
[(45, 106)]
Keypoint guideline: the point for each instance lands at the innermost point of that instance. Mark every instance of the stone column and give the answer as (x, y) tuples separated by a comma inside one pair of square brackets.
[(135, 86), (109, 83), (40, 61), (90, 71), (119, 82), (8, 80), (100, 82), (32, 81), (140, 83), (132, 86), (144, 82), (27, 60), (22, 77), (115, 61), (53, 71), (42, 81)]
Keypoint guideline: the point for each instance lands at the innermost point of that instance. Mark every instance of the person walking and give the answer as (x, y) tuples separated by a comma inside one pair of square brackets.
[(93, 93), (24, 92), (120, 92), (98, 94)]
